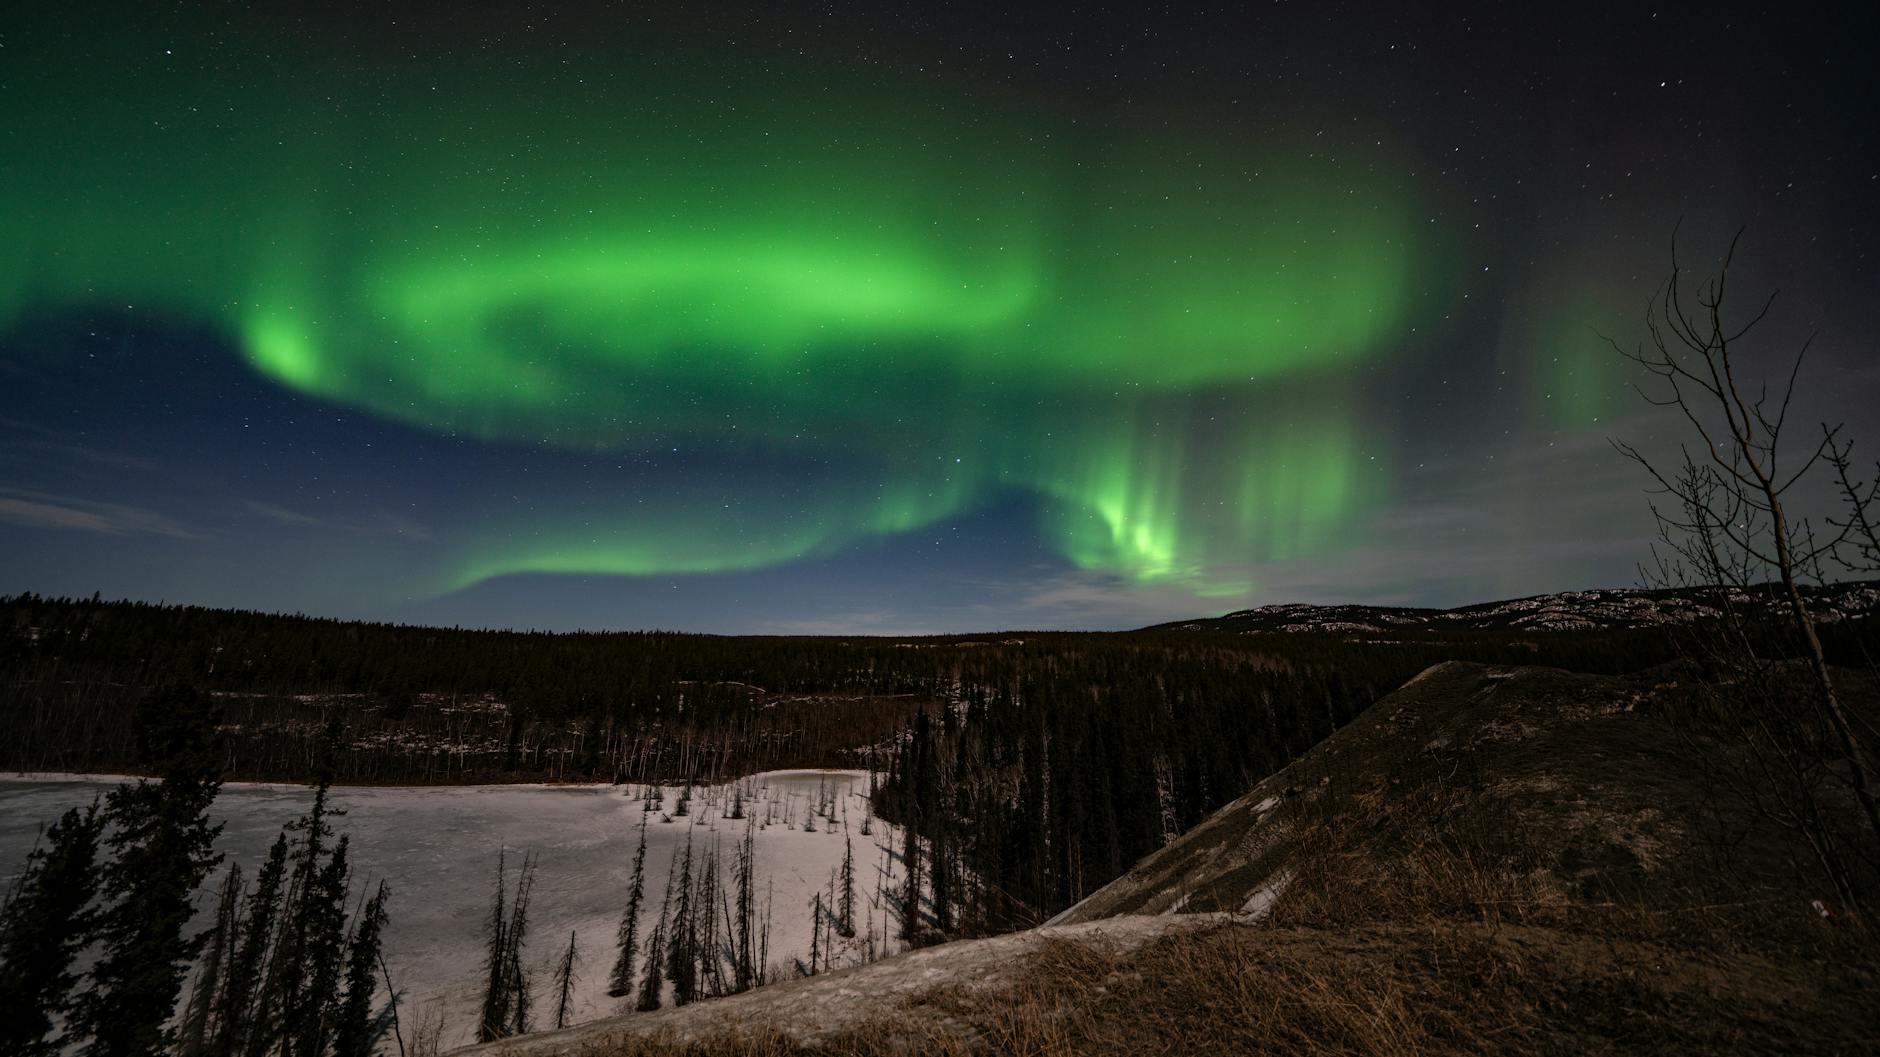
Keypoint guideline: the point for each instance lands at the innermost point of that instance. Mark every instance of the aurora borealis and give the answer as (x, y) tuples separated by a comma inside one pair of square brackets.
[(848, 321)]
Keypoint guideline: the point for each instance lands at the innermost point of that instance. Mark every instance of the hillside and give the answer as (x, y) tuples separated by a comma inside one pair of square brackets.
[(1492, 859), (1599, 609), (1574, 778)]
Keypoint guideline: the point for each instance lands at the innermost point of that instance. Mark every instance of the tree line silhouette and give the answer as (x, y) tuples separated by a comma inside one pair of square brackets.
[(1026, 770), (285, 969)]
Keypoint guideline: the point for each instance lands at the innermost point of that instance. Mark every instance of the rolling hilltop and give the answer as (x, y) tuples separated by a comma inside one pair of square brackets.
[(1598, 609)]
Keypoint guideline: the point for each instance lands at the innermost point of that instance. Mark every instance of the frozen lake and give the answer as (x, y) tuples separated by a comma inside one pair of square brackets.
[(437, 848)]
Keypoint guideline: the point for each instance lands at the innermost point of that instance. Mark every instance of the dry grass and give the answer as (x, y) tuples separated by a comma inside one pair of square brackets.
[(1447, 892), (1437, 954), (1433, 988), (1401, 947), (1386, 990)]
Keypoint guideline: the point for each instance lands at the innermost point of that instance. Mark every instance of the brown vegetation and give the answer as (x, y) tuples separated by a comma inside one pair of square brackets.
[(1430, 986), (1489, 861)]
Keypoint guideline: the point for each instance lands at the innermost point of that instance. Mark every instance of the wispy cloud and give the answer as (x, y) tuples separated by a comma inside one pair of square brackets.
[(377, 523), (399, 525), (861, 622), (1091, 599), (281, 514), (30, 446), (68, 513)]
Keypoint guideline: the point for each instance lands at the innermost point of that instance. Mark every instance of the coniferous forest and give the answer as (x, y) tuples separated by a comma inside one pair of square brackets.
[(1028, 768), (101, 949), (1024, 771), (439, 706)]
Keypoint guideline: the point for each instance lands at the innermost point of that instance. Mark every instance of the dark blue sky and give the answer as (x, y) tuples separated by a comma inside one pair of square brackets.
[(879, 321)]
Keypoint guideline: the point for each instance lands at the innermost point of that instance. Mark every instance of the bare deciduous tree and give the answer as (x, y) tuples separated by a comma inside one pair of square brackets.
[(1728, 525)]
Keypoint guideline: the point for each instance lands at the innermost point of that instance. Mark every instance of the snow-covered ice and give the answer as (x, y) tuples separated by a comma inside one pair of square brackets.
[(437, 848)]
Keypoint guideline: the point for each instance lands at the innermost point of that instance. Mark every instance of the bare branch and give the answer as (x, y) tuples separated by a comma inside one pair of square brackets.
[(1730, 527)]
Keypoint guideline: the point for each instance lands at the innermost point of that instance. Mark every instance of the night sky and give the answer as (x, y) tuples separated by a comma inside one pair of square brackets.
[(886, 319)]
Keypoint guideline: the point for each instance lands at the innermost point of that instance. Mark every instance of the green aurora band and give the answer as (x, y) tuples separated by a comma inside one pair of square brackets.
[(928, 300)]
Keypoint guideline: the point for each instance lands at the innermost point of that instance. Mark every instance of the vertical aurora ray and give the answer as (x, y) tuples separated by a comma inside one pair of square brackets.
[(1576, 381), (1169, 499)]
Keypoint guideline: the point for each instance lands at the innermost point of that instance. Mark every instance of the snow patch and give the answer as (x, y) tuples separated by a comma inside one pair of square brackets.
[(1260, 903)]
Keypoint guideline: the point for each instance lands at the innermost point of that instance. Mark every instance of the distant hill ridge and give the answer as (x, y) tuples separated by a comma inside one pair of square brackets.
[(1598, 609)]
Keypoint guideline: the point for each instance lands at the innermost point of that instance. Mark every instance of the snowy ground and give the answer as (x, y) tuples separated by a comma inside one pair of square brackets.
[(437, 848)]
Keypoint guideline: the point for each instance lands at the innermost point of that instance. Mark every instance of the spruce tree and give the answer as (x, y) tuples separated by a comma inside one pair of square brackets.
[(653, 981), (621, 980), (323, 954), (942, 873), (289, 1006), (355, 1031), (705, 945), (494, 1016), (815, 933), (564, 985), (847, 905), (230, 1036), (163, 846), (205, 997), (744, 961), (910, 893), (520, 992), (44, 924), (763, 940), (506, 996), (681, 960)]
